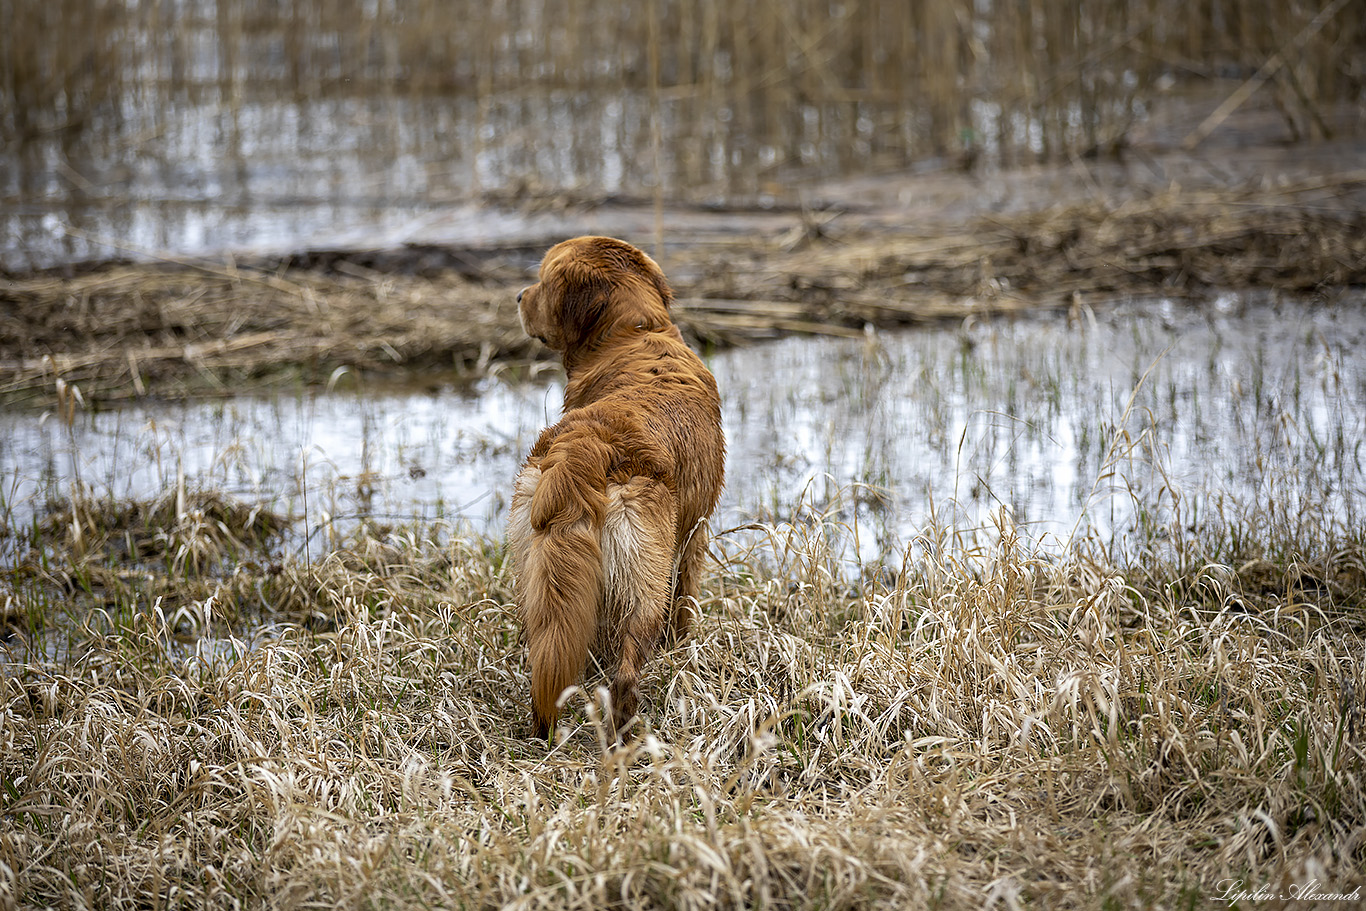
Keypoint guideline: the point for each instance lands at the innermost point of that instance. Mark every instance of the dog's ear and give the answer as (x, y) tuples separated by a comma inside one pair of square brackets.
[(661, 284), (633, 259), (583, 290)]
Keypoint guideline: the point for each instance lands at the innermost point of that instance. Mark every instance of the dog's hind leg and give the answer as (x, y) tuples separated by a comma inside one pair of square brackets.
[(682, 596), (637, 550)]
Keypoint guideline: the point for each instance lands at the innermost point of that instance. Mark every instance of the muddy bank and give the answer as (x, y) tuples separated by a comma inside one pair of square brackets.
[(171, 328)]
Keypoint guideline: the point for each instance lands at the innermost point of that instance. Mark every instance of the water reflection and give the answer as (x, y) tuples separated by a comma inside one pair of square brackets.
[(1142, 414), (196, 126)]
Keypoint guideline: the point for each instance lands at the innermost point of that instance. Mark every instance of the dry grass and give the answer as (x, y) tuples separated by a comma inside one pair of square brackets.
[(986, 726)]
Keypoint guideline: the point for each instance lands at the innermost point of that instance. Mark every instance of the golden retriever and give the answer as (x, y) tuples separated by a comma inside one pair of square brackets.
[(609, 512)]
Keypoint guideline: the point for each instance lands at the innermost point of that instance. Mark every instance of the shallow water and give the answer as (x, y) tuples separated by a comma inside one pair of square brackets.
[(1139, 414)]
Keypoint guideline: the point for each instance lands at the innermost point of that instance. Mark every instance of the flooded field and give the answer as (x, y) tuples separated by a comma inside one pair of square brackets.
[(1121, 423), (1040, 565)]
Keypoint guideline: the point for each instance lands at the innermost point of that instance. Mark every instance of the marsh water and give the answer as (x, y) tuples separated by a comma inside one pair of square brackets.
[(194, 127), (202, 128), (1101, 423)]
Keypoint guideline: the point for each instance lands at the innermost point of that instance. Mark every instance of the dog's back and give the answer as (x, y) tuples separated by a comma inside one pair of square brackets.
[(608, 514)]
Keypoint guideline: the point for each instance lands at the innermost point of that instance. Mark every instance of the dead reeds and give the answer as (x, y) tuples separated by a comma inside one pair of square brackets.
[(748, 88), (171, 329), (126, 329)]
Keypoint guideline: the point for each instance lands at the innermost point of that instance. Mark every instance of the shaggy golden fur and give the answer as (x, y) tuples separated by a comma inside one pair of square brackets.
[(609, 512)]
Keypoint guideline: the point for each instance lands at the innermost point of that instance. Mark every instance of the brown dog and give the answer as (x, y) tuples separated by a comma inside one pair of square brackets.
[(609, 512)]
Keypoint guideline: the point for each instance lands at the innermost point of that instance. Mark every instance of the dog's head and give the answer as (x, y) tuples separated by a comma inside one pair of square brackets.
[(590, 286)]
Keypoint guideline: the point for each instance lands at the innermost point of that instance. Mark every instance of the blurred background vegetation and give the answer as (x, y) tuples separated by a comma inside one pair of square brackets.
[(805, 81), (725, 102)]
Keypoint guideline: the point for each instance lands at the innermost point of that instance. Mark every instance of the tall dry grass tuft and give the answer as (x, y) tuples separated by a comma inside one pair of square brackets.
[(986, 724), (191, 531)]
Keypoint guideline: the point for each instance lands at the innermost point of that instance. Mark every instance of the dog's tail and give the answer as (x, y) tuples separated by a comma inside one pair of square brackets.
[(557, 514)]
